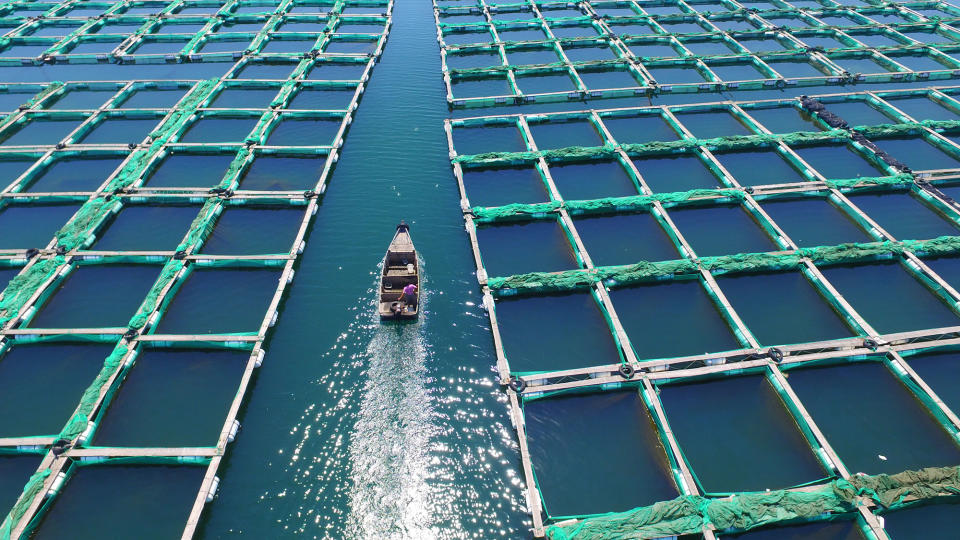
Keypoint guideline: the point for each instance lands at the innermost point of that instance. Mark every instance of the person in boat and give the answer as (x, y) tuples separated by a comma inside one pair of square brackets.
[(409, 297), (403, 227)]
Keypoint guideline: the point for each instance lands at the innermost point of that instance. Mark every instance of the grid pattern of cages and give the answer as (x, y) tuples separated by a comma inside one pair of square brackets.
[(715, 203), (544, 51), (35, 32), (660, 450), (233, 165)]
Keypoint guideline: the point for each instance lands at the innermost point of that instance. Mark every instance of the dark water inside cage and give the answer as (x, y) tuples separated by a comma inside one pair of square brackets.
[(73, 174), (639, 129), (737, 435), (829, 530), (563, 134), (904, 215), (249, 231), (814, 222), (940, 371), (792, 312), (837, 162), (202, 307), (922, 108), (304, 132), (181, 169), (173, 398), (14, 472), (159, 495), (33, 226), (479, 140), (685, 322), (927, 521), (135, 228), (62, 371), (609, 431), (917, 153), (884, 428), (889, 297), (858, 113), (120, 131), (219, 129), (552, 333), (269, 173), (784, 119), (721, 230), (497, 187), (245, 98), (539, 246), (592, 180), (680, 173), (83, 301), (756, 168), (624, 239)]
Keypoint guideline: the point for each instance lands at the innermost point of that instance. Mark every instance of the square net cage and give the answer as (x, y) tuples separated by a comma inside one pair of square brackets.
[(221, 120), (504, 53), (670, 285)]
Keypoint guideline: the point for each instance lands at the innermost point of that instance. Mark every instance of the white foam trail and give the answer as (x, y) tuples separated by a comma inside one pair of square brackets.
[(391, 497)]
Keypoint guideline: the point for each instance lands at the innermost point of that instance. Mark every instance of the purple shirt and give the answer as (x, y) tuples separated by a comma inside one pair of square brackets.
[(409, 289)]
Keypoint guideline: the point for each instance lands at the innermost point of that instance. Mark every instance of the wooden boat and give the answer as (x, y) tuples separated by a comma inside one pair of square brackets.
[(400, 269)]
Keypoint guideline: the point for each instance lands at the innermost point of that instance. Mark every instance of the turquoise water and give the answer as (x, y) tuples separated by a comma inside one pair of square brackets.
[(357, 430)]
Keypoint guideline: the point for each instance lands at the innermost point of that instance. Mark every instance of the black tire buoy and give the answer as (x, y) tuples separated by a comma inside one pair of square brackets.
[(775, 354), (517, 384), (626, 371)]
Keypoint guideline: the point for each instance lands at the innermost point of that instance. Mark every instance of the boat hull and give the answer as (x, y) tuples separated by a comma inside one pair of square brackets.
[(400, 268)]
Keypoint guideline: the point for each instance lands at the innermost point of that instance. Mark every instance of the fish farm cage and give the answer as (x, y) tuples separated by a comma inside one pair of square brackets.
[(127, 349), (734, 303), (534, 52)]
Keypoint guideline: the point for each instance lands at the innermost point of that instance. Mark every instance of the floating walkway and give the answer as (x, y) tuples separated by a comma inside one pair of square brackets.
[(252, 138), (656, 233)]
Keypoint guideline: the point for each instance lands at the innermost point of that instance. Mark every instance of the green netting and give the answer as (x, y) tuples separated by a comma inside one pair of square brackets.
[(743, 262), (22, 287), (201, 225), (88, 217), (78, 422), (890, 490), (31, 490), (892, 180), (596, 206), (745, 511), (150, 303), (51, 88), (725, 144)]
